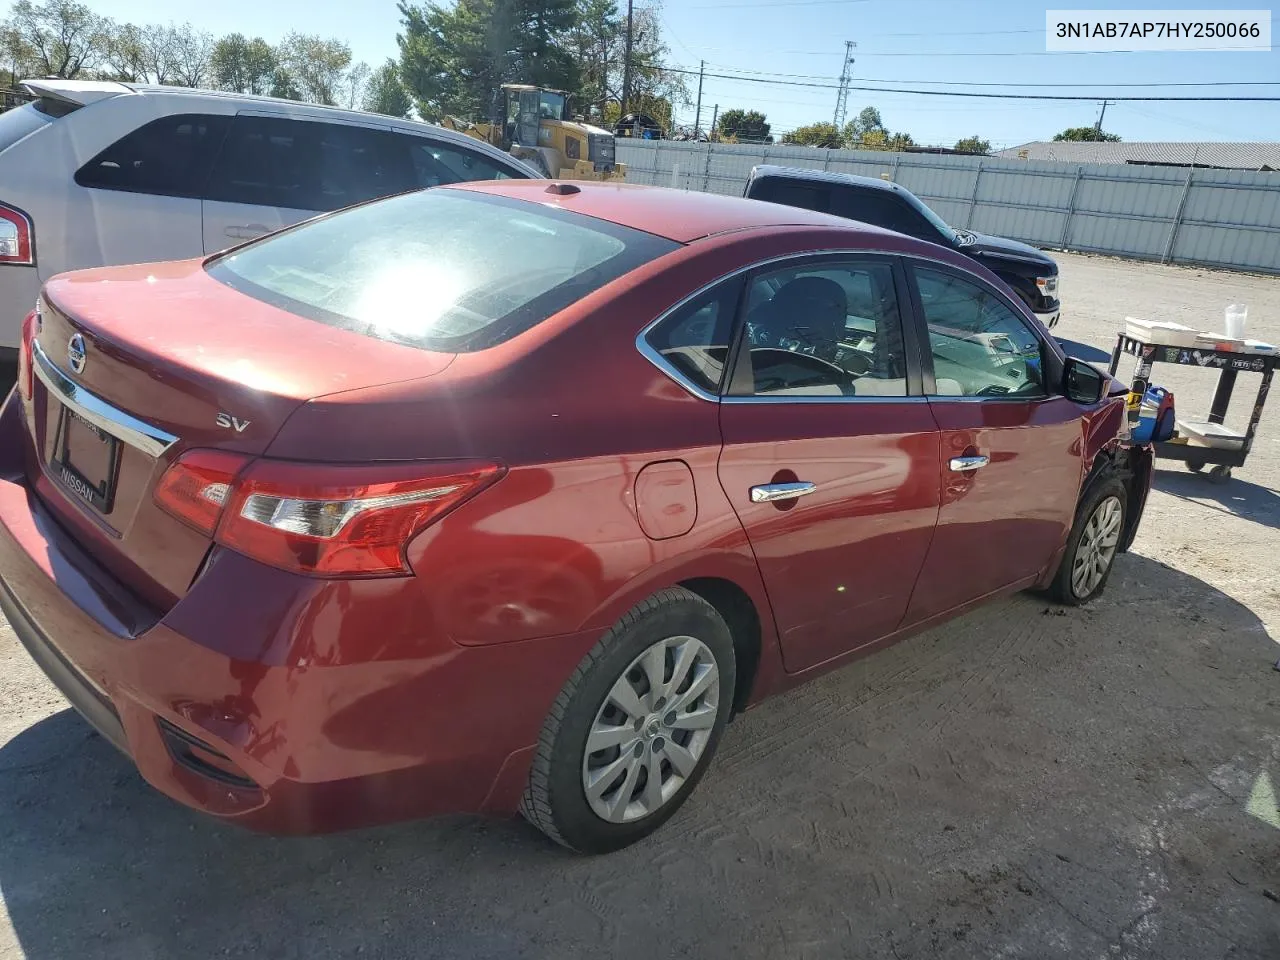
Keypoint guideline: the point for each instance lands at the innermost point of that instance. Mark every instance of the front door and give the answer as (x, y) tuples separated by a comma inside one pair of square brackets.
[(528, 119), (830, 452), (1010, 445)]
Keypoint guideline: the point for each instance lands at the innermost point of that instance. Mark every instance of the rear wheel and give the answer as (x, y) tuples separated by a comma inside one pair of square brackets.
[(634, 728), (1092, 546)]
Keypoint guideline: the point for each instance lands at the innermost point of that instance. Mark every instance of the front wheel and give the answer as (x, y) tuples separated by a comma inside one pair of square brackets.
[(1092, 546), (634, 728)]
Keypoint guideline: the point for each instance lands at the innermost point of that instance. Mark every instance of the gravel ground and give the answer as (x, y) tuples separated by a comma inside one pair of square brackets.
[(1023, 782)]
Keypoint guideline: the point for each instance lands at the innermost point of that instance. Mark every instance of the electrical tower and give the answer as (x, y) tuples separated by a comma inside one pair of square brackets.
[(842, 97)]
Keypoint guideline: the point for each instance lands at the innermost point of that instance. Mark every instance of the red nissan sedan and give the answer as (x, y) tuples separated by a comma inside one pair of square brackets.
[(507, 496)]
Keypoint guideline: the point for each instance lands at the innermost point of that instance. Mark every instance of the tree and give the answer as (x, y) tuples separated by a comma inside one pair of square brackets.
[(242, 65), (64, 38), (353, 85), (314, 67), (386, 94), (452, 58), (1086, 133), (974, 144), (744, 125), (190, 54), (16, 55), (596, 40), (821, 134)]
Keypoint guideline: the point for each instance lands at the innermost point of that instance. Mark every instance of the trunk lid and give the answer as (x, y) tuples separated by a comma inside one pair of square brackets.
[(138, 364)]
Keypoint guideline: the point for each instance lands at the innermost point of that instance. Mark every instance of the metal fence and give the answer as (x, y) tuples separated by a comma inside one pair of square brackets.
[(1219, 218)]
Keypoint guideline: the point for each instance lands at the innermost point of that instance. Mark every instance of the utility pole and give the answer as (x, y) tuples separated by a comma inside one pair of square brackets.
[(842, 97), (1097, 127), (715, 114), (697, 119), (626, 64)]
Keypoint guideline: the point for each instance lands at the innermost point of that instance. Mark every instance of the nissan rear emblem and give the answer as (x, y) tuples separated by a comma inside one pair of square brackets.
[(75, 353)]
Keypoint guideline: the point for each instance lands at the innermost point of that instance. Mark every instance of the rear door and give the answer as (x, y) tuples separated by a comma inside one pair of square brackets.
[(275, 171), (830, 452), (143, 193), (1011, 451)]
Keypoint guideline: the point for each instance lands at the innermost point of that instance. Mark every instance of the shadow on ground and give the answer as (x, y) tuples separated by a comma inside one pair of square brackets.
[(1251, 501), (1028, 781)]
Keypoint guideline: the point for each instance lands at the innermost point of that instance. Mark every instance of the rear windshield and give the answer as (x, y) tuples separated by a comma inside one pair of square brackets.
[(438, 269), (18, 123)]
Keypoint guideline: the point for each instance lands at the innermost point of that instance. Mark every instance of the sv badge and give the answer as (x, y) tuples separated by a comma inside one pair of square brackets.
[(231, 423)]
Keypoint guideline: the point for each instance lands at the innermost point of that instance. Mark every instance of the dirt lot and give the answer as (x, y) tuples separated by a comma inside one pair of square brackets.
[(1025, 782)]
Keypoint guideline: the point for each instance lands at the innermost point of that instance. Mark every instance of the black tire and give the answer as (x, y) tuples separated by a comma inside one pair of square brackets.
[(1061, 588), (555, 799), (1195, 466)]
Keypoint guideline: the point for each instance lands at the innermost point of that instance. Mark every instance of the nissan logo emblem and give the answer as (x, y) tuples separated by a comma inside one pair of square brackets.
[(75, 353)]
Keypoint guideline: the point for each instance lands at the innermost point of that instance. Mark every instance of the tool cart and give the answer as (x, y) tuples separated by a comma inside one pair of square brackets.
[(1198, 443)]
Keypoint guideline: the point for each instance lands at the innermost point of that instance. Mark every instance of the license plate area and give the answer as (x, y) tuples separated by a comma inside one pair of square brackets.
[(86, 460)]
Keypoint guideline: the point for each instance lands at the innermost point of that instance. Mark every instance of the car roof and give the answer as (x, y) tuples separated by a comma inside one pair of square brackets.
[(679, 215), (804, 173)]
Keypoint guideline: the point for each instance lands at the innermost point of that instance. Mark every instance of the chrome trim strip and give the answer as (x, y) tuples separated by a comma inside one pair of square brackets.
[(142, 436), (659, 361), (791, 399)]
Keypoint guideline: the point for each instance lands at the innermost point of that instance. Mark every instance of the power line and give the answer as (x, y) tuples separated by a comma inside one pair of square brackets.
[(974, 83), (973, 93)]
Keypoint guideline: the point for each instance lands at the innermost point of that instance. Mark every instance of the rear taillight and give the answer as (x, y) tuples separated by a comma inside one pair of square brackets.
[(15, 237), (26, 364), (321, 519), (197, 486)]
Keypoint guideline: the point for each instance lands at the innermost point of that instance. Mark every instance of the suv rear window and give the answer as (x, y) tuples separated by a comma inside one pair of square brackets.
[(439, 269), (19, 123)]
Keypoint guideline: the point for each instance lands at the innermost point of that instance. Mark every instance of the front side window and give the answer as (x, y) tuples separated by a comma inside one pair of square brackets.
[(981, 348), (436, 163), (828, 329), (168, 157), (444, 270), (881, 208)]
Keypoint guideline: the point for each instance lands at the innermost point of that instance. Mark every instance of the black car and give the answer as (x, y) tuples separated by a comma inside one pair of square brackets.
[(1031, 275)]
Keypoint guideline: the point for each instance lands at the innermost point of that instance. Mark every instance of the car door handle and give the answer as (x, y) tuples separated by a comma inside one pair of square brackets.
[(247, 232), (965, 464), (769, 492)]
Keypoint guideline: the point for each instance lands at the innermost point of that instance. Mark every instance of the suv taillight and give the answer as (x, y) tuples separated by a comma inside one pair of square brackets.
[(16, 247), (329, 520)]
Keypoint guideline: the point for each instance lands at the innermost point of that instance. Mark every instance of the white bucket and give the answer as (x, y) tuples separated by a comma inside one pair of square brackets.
[(1236, 317)]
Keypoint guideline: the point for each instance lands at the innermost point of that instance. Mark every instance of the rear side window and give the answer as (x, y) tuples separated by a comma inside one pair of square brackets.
[(170, 157), (307, 165), (436, 163), (437, 269), (19, 123), (791, 193), (695, 339)]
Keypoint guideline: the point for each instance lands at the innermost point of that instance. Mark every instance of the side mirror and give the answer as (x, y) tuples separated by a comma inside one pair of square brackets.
[(1082, 382)]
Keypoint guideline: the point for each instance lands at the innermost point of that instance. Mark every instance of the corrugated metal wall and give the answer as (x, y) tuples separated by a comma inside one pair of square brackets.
[(1219, 218)]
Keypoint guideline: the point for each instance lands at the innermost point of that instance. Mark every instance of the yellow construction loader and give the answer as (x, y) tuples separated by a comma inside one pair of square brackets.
[(538, 131)]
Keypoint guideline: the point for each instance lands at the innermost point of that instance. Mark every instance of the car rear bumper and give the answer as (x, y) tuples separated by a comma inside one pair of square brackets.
[(311, 732)]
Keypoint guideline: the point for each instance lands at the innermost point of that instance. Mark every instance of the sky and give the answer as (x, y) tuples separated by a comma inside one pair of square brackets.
[(923, 44)]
